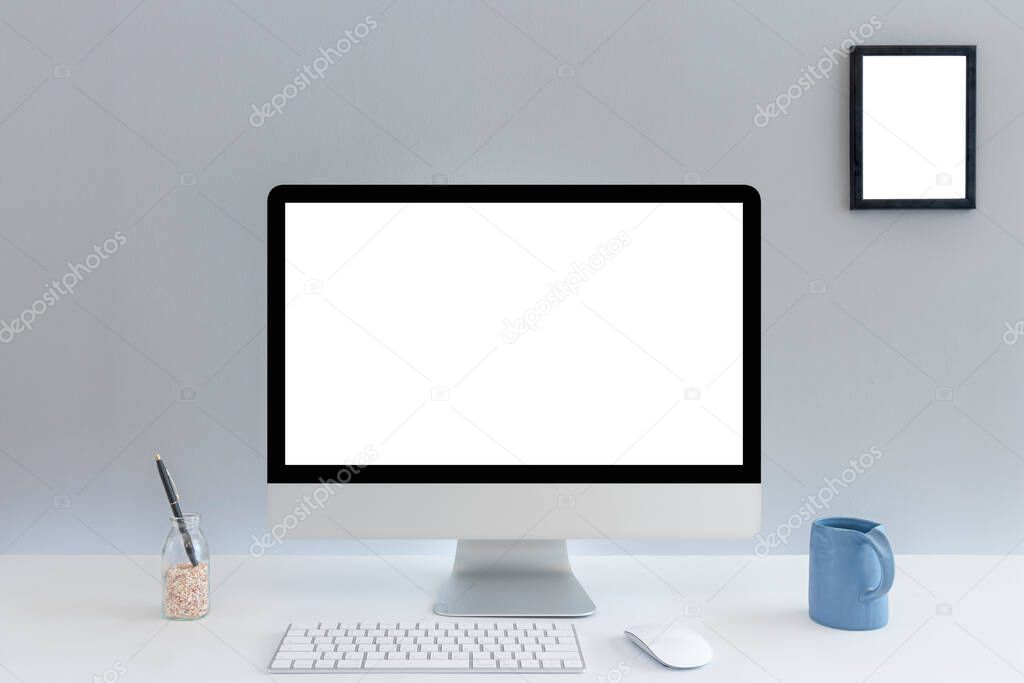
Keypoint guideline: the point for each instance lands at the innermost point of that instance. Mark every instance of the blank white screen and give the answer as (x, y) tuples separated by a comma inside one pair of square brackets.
[(401, 333), (915, 126)]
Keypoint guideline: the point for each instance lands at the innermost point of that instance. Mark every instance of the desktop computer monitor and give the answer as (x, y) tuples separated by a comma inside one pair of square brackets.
[(513, 366)]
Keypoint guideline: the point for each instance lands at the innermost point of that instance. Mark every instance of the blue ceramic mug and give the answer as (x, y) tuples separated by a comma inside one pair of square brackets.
[(852, 569)]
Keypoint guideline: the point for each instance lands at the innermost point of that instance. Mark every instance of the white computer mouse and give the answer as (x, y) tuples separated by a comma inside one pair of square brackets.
[(675, 646)]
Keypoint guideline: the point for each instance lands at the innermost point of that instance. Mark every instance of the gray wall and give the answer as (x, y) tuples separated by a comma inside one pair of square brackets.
[(136, 118)]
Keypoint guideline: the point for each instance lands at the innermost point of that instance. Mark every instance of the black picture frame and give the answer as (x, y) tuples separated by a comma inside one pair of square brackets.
[(749, 471), (857, 200)]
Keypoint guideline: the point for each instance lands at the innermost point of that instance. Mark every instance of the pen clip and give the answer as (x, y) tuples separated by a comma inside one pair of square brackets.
[(174, 489)]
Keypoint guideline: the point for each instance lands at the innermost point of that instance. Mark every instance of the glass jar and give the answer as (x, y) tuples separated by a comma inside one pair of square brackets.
[(186, 585)]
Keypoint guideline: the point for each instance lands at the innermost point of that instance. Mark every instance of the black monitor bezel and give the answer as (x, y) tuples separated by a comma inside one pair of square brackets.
[(749, 472)]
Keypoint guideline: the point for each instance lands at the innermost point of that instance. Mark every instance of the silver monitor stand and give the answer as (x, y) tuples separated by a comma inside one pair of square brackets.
[(513, 579)]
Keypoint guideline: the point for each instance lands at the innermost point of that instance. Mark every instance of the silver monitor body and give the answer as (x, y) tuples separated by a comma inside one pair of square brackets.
[(481, 457)]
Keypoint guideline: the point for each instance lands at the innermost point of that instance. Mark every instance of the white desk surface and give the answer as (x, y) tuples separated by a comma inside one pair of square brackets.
[(68, 618)]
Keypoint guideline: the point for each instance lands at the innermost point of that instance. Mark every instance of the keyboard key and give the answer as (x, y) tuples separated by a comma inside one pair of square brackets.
[(281, 664), (572, 664), (349, 664), (303, 664), (416, 664), (298, 655), (296, 648), (551, 664), (485, 664), (560, 647), (297, 639), (529, 664), (324, 664), (551, 655)]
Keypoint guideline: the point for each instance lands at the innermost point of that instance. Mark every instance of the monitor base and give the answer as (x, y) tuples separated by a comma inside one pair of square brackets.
[(513, 579)]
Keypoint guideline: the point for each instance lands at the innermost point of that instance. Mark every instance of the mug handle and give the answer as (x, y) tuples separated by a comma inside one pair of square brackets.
[(879, 542)]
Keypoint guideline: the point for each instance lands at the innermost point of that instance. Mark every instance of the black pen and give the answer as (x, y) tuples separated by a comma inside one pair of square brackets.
[(172, 498)]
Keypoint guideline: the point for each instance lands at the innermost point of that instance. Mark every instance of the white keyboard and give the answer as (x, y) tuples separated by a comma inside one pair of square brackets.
[(361, 647)]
